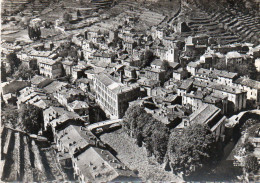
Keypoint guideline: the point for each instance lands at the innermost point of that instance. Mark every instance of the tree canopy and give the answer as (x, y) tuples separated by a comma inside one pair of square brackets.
[(24, 73), (146, 129), (9, 115), (146, 58), (67, 17), (245, 69), (166, 66), (13, 61), (31, 117), (251, 164), (3, 73), (190, 149), (34, 33)]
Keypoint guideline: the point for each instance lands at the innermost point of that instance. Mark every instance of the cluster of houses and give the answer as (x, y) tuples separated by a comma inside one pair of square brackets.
[(176, 84)]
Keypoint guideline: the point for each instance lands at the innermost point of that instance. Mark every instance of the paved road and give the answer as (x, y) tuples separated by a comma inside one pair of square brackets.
[(103, 123)]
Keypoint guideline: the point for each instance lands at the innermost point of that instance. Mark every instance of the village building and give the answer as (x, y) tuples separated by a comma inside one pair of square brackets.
[(192, 67), (210, 115), (185, 87), (30, 63), (84, 84), (96, 164), (66, 96), (234, 58), (113, 96), (155, 74), (130, 72), (79, 107), (10, 90), (33, 96), (50, 68), (252, 88), (172, 55), (102, 57), (180, 74), (54, 87), (40, 81), (58, 116), (236, 97), (67, 66)]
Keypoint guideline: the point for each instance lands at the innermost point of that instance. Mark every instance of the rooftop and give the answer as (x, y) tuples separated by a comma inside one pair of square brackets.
[(36, 80), (78, 104), (75, 137), (100, 165), (186, 84), (204, 114), (54, 86), (67, 93), (114, 85), (233, 54), (248, 82), (227, 89)]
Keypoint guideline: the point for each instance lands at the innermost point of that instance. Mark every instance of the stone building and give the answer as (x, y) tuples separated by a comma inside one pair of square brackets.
[(50, 68), (113, 96)]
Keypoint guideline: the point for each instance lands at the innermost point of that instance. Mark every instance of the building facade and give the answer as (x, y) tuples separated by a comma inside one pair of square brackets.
[(113, 96)]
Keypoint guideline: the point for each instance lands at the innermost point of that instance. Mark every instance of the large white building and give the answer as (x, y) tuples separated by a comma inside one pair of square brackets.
[(113, 96)]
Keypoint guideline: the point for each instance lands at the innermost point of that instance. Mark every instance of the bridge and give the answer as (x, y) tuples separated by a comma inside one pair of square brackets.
[(104, 124), (236, 118)]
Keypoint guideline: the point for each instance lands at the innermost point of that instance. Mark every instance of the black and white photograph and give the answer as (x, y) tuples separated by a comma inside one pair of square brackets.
[(130, 91)]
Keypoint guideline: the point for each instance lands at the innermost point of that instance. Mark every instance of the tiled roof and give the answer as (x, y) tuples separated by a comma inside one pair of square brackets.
[(113, 85), (233, 54), (193, 64), (78, 104), (36, 80), (227, 89), (248, 82), (14, 86), (54, 86), (101, 166), (70, 92), (186, 84), (73, 137), (214, 73), (204, 114)]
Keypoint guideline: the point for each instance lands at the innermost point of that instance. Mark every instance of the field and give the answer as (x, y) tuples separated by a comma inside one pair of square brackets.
[(24, 159)]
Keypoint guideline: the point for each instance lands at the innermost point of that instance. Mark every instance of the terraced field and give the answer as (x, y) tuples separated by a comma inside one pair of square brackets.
[(244, 26), (27, 160), (202, 23)]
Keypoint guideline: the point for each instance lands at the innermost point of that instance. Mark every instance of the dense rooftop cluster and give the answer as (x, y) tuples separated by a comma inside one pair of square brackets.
[(91, 64)]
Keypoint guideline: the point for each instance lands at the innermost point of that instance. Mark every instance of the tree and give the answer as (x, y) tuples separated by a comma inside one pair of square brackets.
[(146, 58), (130, 117), (9, 115), (166, 66), (3, 73), (24, 73), (34, 32), (160, 139), (31, 117), (13, 60), (67, 17), (249, 147), (145, 128), (190, 149), (78, 14), (251, 164)]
